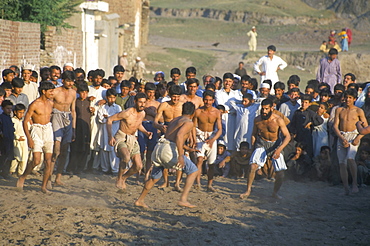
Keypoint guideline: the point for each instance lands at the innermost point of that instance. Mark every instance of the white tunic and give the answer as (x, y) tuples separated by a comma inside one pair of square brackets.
[(320, 136), (99, 94), (270, 66)]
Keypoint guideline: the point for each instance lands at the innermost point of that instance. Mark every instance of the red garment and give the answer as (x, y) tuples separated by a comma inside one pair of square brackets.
[(349, 34)]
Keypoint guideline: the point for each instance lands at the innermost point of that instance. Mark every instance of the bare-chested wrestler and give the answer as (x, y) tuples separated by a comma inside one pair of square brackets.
[(169, 153), (192, 87), (125, 142), (349, 138), (63, 120), (267, 145), (151, 106), (40, 136), (168, 111), (207, 121)]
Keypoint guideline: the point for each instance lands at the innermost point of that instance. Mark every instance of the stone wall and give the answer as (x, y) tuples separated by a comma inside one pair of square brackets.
[(61, 46), (19, 43)]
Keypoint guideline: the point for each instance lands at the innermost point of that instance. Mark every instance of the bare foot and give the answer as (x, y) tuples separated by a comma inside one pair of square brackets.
[(186, 204), (58, 183), (245, 195), (20, 184), (165, 185), (178, 188), (354, 189), (211, 189), (44, 190), (48, 185), (259, 172), (119, 183), (276, 196), (141, 204), (197, 186)]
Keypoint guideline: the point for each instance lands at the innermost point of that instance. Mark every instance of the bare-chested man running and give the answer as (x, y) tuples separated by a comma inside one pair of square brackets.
[(192, 87), (40, 136), (168, 111), (169, 153), (145, 143), (344, 127), (265, 138), (63, 120), (206, 120), (125, 142)]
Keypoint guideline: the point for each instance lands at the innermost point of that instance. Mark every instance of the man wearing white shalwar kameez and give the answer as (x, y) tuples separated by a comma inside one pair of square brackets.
[(107, 158), (223, 97)]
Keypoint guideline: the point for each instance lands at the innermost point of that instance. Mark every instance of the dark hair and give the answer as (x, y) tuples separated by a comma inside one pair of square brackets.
[(54, 68), (44, 69), (221, 107), (245, 77), (324, 84), (244, 144), (188, 108), (175, 70), (150, 86), (82, 87), (191, 70), (294, 90), (353, 77), (365, 149), (140, 95), (91, 73), (68, 75), (228, 76), (351, 92), (333, 51), (209, 93), (19, 107), (353, 86), (313, 82), (118, 68), (210, 86), (17, 83), (125, 83), (98, 72), (79, 70), (339, 87), (271, 47), (301, 145), (45, 85), (133, 79), (306, 97), (294, 79), (326, 105), (7, 71), (174, 90), (2, 92), (169, 85), (6, 85), (35, 74), (16, 68), (324, 148), (325, 92), (111, 92), (105, 81), (254, 83), (211, 78), (279, 85), (6, 103), (247, 95), (218, 79), (192, 81), (266, 101), (313, 87)]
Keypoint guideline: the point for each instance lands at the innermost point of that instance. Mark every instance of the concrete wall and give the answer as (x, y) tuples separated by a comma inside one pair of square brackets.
[(19, 43)]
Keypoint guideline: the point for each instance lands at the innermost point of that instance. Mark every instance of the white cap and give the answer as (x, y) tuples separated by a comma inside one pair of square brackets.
[(138, 58), (27, 67), (125, 53), (265, 85), (222, 142), (68, 64)]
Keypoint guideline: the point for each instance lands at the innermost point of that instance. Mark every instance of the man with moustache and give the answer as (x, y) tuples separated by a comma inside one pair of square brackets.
[(125, 142), (268, 146)]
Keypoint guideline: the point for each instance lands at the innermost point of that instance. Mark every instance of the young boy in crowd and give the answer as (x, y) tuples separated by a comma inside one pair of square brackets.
[(80, 148), (240, 160), (7, 87), (34, 77), (299, 163), (106, 84), (19, 163), (222, 162), (17, 96), (320, 135), (322, 164), (303, 122), (6, 138), (107, 156), (363, 167)]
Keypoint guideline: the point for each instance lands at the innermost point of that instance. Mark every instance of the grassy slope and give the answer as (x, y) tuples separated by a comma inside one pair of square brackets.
[(274, 7)]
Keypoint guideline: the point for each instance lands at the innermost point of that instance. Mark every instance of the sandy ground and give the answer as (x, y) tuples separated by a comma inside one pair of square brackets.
[(88, 210)]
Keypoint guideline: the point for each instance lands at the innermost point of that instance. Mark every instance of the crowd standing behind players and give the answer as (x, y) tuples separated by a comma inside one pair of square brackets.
[(316, 119)]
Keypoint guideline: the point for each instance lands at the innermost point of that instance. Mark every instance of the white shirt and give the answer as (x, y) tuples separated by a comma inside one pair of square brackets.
[(31, 90), (222, 97), (99, 94), (270, 66)]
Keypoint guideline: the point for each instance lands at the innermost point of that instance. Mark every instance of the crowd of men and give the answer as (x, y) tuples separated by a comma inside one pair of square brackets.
[(231, 126)]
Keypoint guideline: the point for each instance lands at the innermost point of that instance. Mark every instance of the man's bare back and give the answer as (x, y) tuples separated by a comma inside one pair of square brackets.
[(151, 107), (175, 126)]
